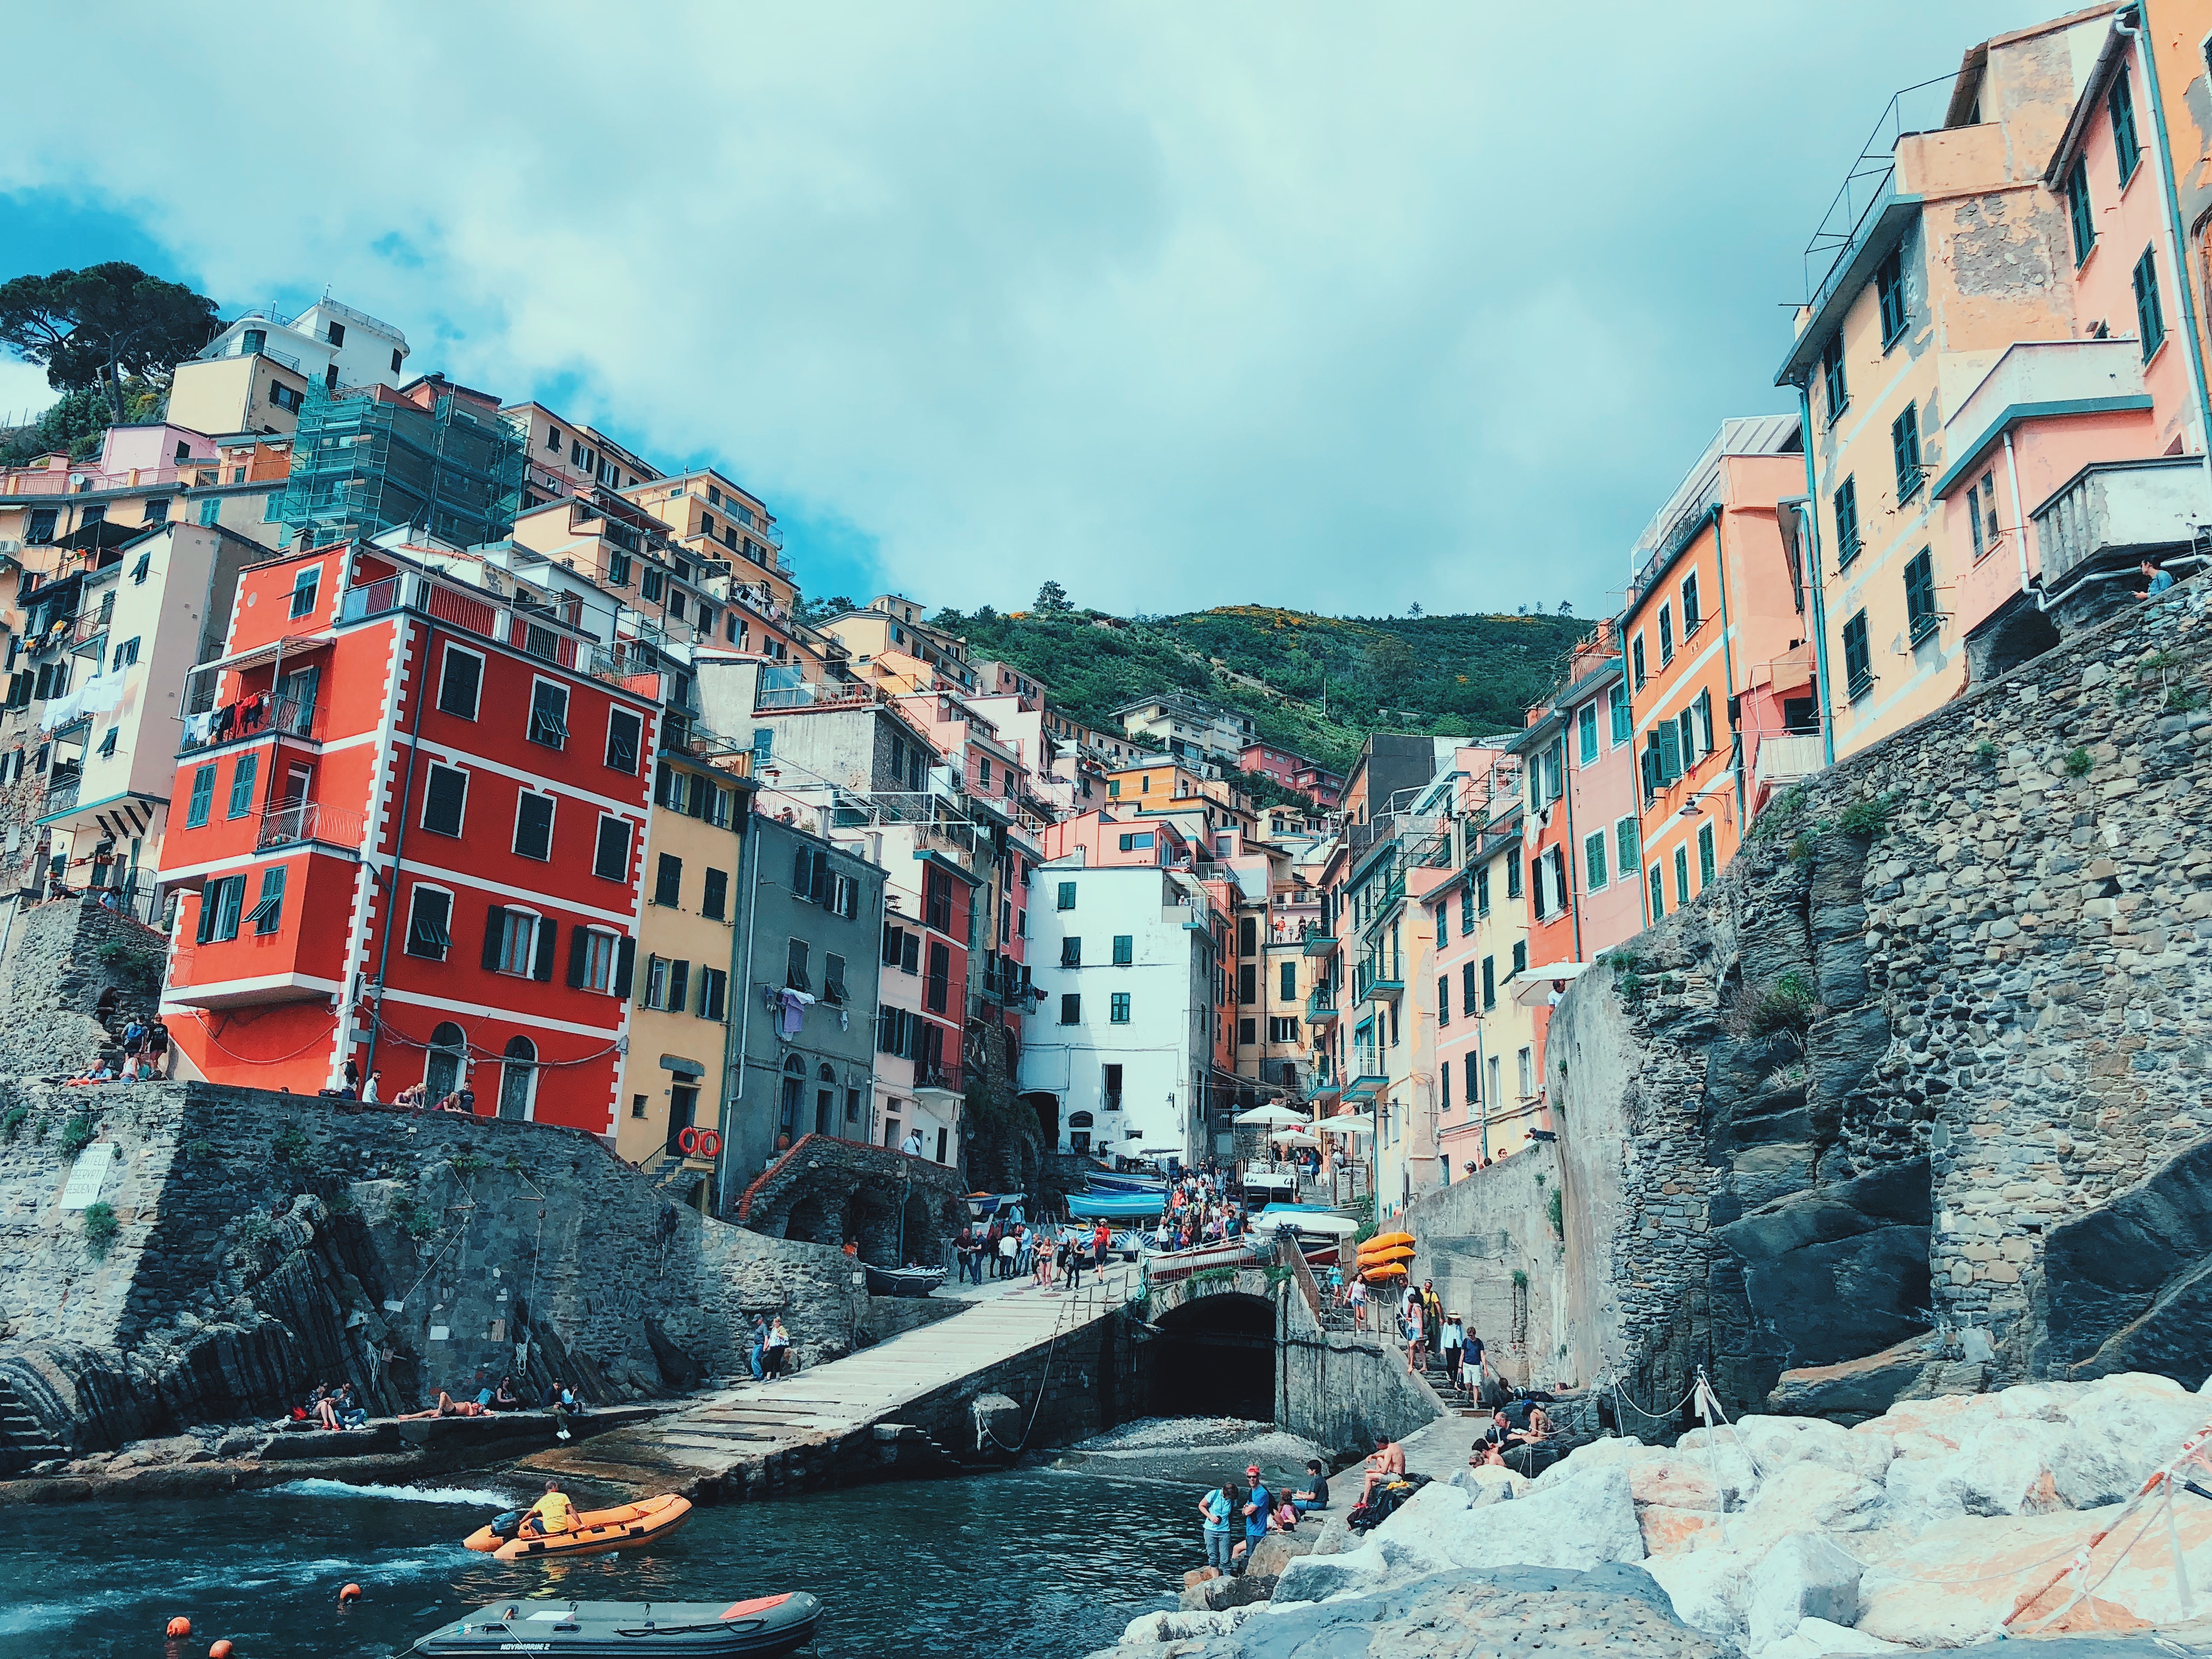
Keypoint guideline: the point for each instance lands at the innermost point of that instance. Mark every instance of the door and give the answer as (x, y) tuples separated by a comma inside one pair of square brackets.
[(517, 1078), (682, 1112)]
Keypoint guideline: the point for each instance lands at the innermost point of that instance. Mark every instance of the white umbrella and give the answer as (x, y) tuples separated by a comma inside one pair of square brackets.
[(1270, 1115), (1295, 1138), (1354, 1123)]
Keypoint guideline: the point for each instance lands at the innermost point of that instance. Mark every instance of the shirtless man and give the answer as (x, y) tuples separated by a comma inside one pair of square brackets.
[(1386, 1464)]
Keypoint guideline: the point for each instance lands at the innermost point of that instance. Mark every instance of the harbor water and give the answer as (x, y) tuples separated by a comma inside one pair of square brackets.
[(1041, 1563)]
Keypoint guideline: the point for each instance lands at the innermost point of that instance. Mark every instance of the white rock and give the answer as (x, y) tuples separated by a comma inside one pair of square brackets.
[(1574, 1524), (1614, 1449), (1184, 1626), (1805, 1497), (2120, 1430), (2002, 1466), (1816, 1638), (1775, 1441), (1707, 1587), (1723, 1462), (1490, 1485), (1803, 1577), (1675, 1483)]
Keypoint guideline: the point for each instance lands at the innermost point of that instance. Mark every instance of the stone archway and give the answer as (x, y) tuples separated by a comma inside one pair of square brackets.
[(1215, 1357)]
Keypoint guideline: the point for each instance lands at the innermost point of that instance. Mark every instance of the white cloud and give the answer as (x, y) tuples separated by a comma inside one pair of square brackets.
[(24, 393), (1338, 307)]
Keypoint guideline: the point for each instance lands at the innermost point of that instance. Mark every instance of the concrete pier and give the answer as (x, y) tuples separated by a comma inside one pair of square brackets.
[(918, 1403)]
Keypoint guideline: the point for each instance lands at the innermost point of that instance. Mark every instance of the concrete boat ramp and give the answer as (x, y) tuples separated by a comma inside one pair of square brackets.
[(966, 1392)]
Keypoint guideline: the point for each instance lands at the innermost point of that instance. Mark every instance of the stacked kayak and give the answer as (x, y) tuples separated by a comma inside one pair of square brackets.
[(590, 1532), (587, 1630), (1385, 1257)]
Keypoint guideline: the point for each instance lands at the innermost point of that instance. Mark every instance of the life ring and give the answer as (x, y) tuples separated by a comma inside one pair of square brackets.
[(688, 1141), (709, 1143)]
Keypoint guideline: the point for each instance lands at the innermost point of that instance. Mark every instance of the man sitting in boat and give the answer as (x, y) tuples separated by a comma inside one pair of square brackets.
[(549, 1513)]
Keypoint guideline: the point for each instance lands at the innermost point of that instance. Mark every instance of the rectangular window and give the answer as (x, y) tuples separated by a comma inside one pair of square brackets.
[(1889, 289), (1858, 665), (2150, 316), (1681, 877), (1658, 894), (516, 947), (1467, 1003), (1833, 391), (611, 856), (533, 825), (1513, 875), (795, 975), (445, 799), (1847, 522), (668, 881), (1465, 909), (549, 714), (221, 903), (1920, 615), (1443, 998), (624, 732), (714, 992), (2080, 213), (1691, 614), (1593, 861), (1125, 949), (1289, 981), (1586, 734), (1067, 896), (1071, 951), (460, 683), (1071, 1009), (1623, 718), (715, 901), (1117, 1009), (304, 585), (1482, 890), (242, 776), (1708, 856), (1489, 983), (833, 980), (1636, 659), (1666, 633), (679, 985), (202, 801), (1247, 985), (1904, 452), (1624, 847), (2120, 103), (268, 912), (937, 984), (429, 923)]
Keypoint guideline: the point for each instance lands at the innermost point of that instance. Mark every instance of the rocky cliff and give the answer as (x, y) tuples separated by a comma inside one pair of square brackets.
[(1913, 1098)]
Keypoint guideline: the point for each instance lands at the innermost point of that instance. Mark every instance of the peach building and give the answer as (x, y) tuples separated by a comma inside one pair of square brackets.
[(1720, 678), (1956, 253)]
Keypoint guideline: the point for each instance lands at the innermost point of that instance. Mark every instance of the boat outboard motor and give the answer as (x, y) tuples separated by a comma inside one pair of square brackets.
[(508, 1524)]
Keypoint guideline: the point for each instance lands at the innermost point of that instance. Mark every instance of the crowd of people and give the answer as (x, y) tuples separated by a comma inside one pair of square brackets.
[(1237, 1514), (1047, 1253), (339, 1409)]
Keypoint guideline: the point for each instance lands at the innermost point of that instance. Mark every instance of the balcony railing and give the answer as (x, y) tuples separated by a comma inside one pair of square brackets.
[(1377, 979), (62, 786), (1320, 1006), (308, 821), (289, 717), (1320, 942), (540, 633), (1785, 757), (2114, 513)]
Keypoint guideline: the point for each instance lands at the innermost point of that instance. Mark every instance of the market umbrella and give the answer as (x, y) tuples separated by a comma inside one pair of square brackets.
[(1295, 1138), (1353, 1123), (1270, 1115)]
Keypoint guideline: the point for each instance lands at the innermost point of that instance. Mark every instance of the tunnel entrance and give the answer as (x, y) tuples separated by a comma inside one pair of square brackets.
[(1215, 1357)]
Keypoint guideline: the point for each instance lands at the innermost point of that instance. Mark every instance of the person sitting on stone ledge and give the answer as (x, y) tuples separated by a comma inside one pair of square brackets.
[(1387, 1463), (325, 1407), (352, 1414)]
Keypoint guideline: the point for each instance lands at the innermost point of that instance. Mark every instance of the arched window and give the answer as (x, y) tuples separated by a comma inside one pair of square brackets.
[(795, 1090), (441, 1070), (825, 1101), (517, 1078)]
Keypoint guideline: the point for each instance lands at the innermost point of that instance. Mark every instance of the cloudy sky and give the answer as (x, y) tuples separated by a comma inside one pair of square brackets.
[(1338, 307)]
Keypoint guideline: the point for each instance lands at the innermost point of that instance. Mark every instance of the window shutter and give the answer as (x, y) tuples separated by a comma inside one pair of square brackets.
[(1705, 721), (209, 894), (802, 872), (625, 966), (679, 986), (548, 929), (1670, 752), (579, 944), (890, 945), (494, 925), (821, 893)]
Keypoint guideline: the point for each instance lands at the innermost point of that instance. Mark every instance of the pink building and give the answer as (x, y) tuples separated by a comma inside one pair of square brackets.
[(1103, 839), (1294, 771)]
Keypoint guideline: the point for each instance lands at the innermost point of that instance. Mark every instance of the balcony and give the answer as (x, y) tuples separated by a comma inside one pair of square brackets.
[(1785, 757), (308, 822), (299, 717), (1320, 942), (1320, 1006), (541, 634), (1367, 1086), (1378, 981), (2033, 380), (2113, 513), (63, 785)]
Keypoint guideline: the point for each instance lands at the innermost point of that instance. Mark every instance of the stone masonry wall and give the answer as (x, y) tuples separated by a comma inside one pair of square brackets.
[(1951, 1002), (1488, 1241), (268, 1241)]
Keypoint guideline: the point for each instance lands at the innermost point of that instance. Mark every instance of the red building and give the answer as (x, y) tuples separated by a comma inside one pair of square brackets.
[(1294, 771), (378, 743)]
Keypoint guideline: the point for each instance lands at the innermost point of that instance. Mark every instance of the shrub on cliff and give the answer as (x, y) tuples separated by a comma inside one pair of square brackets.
[(101, 1228), (77, 1135)]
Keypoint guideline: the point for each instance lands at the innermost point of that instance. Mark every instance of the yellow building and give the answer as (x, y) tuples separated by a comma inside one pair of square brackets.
[(682, 999)]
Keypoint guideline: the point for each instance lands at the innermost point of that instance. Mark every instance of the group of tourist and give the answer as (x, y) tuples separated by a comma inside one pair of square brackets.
[(1199, 1211), (337, 1409), (145, 1056), (1050, 1251), (771, 1346), (1236, 1515)]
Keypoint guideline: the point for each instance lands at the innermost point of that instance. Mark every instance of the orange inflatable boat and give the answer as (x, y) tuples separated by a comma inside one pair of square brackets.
[(590, 1532)]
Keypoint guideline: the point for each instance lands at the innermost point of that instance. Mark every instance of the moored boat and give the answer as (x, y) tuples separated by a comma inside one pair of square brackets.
[(763, 1626), (903, 1281)]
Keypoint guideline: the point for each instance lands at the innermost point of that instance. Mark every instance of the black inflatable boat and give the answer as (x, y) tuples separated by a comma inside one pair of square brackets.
[(588, 1630)]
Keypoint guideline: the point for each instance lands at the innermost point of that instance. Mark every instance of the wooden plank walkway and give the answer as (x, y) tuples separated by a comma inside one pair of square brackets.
[(760, 1424)]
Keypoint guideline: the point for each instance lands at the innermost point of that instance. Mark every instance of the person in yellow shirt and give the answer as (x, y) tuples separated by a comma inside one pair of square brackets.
[(549, 1513)]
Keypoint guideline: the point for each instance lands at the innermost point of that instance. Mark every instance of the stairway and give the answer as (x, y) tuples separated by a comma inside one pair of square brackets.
[(1457, 1399), (24, 1441)]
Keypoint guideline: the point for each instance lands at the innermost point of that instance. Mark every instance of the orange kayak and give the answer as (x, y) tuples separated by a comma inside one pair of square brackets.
[(590, 1532)]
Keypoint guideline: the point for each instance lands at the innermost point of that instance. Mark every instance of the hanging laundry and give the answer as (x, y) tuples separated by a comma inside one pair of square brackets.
[(197, 728), (793, 1019), (102, 694)]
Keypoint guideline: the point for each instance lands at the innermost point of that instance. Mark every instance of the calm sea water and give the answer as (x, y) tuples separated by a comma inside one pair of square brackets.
[(1043, 1562)]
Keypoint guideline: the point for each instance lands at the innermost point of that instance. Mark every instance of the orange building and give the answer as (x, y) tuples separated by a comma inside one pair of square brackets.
[(1720, 675)]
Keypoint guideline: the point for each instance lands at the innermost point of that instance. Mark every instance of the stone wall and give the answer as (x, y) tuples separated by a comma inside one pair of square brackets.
[(268, 1241), (55, 984), (1489, 1243), (1950, 1003)]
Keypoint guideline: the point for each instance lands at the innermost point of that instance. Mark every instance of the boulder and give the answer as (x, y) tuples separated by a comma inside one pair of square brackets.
[(1669, 1531), (1853, 1390), (1705, 1587), (1487, 1485), (1335, 1537), (1806, 1497), (1817, 1639), (1803, 1577), (1218, 1594), (1198, 1576), (1183, 1626), (1276, 1550), (2129, 1285), (1959, 1580), (1573, 1524), (1680, 1484)]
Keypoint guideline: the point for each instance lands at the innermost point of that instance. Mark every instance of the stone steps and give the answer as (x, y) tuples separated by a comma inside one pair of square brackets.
[(24, 1440)]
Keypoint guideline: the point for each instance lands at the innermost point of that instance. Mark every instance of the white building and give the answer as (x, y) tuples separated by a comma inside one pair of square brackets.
[(253, 376), (1189, 729), (1122, 1041)]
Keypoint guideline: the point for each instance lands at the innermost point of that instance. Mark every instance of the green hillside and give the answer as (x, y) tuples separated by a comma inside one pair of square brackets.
[(1458, 674)]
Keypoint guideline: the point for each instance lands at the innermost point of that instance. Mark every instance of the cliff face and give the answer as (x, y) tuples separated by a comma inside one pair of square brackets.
[(1929, 1058)]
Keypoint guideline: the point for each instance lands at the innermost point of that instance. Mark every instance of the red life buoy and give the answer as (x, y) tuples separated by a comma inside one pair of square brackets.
[(710, 1144), (688, 1141)]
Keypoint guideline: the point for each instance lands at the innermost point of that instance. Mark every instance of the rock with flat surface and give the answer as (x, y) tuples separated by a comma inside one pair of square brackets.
[(1819, 1638), (1805, 1576)]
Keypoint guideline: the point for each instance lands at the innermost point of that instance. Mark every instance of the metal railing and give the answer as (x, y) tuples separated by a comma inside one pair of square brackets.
[(540, 633), (308, 821), (289, 717)]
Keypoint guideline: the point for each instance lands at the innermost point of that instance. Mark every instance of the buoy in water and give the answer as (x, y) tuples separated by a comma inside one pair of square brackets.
[(219, 1650), (350, 1594), (181, 1625)]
